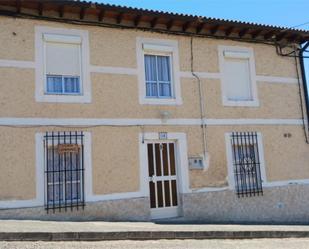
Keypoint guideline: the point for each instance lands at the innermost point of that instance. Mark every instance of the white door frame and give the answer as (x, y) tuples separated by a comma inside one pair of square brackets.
[(182, 171)]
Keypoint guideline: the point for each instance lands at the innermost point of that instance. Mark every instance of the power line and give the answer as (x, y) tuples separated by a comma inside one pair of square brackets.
[(299, 25)]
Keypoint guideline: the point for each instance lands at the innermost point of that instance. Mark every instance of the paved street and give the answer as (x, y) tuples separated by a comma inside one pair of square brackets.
[(171, 244)]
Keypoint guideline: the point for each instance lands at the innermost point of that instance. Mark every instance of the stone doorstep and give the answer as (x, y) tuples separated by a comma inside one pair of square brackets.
[(148, 235)]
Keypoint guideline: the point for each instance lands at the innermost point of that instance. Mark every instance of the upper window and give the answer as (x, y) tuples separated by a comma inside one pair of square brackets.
[(62, 64), (158, 76), (238, 76), (158, 71), (62, 73)]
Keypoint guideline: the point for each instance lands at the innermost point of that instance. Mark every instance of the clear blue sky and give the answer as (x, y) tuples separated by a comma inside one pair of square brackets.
[(275, 12)]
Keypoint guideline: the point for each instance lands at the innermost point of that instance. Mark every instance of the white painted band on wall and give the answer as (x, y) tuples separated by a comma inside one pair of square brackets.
[(140, 122), (134, 71), (113, 70), (17, 64), (272, 79), (202, 75)]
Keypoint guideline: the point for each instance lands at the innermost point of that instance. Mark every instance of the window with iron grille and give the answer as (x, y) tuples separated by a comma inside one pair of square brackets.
[(64, 170), (246, 164)]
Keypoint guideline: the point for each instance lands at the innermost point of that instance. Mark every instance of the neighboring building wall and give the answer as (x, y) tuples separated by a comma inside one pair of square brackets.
[(115, 150)]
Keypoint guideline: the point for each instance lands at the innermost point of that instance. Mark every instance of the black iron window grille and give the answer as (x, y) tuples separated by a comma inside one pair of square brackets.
[(64, 170), (246, 164)]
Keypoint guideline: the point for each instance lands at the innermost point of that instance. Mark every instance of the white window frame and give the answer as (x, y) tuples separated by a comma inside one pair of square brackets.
[(40, 169), (158, 47), (229, 158), (40, 83), (244, 52)]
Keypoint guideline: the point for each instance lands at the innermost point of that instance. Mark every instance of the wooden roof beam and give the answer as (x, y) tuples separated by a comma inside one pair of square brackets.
[(280, 36), (101, 15), (40, 9), (169, 24), (243, 32), (18, 6), (137, 20), (61, 11), (256, 33), (214, 29), (186, 26), (229, 30), (293, 38), (269, 34), (82, 13), (119, 18), (154, 22), (200, 28)]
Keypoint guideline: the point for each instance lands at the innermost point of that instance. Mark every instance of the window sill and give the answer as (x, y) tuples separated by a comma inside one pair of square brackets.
[(63, 98), (241, 103), (160, 101)]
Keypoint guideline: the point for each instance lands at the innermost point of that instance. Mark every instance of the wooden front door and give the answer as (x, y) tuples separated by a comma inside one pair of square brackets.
[(162, 180)]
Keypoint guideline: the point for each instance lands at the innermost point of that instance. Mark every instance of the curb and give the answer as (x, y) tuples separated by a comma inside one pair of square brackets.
[(147, 235)]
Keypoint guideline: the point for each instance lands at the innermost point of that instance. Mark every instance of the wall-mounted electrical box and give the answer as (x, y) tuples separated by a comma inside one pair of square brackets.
[(196, 162)]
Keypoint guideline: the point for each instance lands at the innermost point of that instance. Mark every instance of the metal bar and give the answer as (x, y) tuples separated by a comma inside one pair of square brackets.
[(59, 175), (65, 173), (77, 171), (71, 173), (53, 154), (83, 171), (253, 163), (47, 170), (233, 144), (239, 178), (247, 164)]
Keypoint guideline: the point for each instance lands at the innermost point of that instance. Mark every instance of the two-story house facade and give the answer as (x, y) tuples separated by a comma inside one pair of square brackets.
[(114, 113)]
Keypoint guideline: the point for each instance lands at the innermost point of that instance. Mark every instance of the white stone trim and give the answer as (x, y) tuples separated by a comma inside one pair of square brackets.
[(273, 79), (250, 54), (229, 158), (40, 96), (137, 122), (173, 46), (202, 75), (113, 70), (134, 71), (17, 64)]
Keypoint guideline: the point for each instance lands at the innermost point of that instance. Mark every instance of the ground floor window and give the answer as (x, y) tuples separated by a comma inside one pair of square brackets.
[(64, 170), (246, 163)]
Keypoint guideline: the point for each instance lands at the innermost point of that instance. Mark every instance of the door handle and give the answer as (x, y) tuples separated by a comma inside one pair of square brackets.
[(152, 178)]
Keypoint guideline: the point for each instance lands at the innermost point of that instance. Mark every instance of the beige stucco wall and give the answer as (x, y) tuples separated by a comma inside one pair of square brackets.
[(115, 150), (116, 96), (116, 163)]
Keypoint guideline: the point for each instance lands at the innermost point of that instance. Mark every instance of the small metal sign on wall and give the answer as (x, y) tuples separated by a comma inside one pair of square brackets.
[(162, 135), (67, 148)]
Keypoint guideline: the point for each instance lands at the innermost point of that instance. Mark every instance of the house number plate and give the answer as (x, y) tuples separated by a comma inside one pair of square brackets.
[(163, 135)]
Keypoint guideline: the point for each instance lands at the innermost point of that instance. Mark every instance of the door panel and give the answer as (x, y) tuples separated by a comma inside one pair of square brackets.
[(162, 179)]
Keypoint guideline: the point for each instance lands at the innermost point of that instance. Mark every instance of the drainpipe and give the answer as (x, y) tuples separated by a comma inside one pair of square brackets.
[(303, 75)]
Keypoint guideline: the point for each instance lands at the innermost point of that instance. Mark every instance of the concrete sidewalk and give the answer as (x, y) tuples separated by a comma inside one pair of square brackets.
[(21, 230)]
